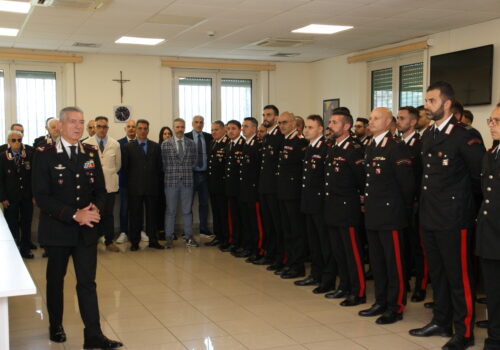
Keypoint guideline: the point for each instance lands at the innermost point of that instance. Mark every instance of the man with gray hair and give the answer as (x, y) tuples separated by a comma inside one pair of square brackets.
[(17, 127), (52, 133)]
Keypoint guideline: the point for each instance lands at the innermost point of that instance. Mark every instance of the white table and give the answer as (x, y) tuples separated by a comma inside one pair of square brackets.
[(14, 279)]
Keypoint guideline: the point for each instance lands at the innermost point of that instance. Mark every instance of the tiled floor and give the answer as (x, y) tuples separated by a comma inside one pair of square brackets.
[(202, 299)]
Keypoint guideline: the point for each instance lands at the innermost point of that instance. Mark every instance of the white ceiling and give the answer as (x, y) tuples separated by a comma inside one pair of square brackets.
[(239, 23)]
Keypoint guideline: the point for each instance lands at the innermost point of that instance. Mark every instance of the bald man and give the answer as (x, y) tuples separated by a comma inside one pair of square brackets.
[(389, 192)]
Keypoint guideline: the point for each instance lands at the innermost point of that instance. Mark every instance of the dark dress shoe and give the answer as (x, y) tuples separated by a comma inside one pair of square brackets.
[(375, 310), (336, 294), (389, 317), (252, 258), (243, 253), (458, 343), (263, 261), (430, 330), (322, 289), (134, 247), (291, 273), (101, 342), (281, 270), (353, 300), (45, 254), (482, 324), (309, 281), (27, 254), (418, 295), (156, 245), (213, 243), (225, 247), (274, 267), (57, 334), (33, 246), (429, 305)]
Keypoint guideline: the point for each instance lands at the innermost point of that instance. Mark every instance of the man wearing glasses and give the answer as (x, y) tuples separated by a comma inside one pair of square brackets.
[(110, 155), (15, 190)]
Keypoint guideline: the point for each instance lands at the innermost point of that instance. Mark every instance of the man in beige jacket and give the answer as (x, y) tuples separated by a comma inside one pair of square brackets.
[(110, 156)]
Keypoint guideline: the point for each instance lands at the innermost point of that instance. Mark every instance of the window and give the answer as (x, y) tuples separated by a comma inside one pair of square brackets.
[(195, 98), (236, 99), (382, 88), (411, 84)]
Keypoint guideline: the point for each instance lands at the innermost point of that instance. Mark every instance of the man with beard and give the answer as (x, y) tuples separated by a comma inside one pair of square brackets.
[(423, 122), (361, 131), (452, 164)]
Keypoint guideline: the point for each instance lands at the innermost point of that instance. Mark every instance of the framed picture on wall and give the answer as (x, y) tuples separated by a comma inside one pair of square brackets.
[(328, 107)]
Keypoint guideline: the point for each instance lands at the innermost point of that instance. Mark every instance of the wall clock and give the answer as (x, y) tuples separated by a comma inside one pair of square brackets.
[(122, 113)]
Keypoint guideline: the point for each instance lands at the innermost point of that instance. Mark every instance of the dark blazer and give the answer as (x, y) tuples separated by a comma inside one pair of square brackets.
[(216, 166), (451, 174), (122, 174), (208, 140), (249, 171), (344, 184), (313, 178), (144, 170), (178, 171), (232, 162), (488, 219), (15, 180), (291, 157), (60, 187), (271, 147), (390, 186)]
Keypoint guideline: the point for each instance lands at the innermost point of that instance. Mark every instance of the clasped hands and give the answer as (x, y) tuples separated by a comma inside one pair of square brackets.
[(88, 216)]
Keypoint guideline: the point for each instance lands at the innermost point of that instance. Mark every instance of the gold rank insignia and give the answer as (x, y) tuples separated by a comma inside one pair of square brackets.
[(91, 154)]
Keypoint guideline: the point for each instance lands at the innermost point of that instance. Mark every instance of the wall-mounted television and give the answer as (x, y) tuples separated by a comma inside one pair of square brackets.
[(470, 72)]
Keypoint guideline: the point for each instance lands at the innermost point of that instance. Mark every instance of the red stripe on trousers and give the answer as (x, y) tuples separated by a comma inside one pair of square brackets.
[(229, 222), (259, 227), (466, 282), (357, 259), (399, 267)]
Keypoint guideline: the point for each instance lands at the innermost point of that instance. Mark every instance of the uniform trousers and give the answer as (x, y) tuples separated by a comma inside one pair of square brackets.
[(251, 228), (320, 249), (136, 205), (490, 270), (273, 231), (233, 221), (19, 217), (219, 213), (107, 223), (294, 234)]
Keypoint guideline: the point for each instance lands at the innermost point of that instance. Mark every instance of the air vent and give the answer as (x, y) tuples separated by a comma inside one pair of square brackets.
[(282, 42), (75, 4), (88, 45), (286, 54)]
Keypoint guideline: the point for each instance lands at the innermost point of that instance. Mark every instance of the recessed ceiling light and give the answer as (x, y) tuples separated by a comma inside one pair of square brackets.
[(138, 41), (15, 6), (8, 32), (321, 29)]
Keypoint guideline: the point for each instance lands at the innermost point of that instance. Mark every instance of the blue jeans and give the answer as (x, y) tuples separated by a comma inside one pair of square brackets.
[(200, 180), (173, 195)]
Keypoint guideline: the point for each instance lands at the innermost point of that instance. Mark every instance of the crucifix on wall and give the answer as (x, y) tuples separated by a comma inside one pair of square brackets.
[(121, 81)]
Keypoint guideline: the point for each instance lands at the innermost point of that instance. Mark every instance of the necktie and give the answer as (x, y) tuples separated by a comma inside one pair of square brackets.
[(101, 145), (199, 161), (436, 133), (231, 145), (73, 154), (143, 147), (17, 158), (180, 148)]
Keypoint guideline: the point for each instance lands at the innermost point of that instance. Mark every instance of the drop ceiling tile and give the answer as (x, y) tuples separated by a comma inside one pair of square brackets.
[(151, 30)]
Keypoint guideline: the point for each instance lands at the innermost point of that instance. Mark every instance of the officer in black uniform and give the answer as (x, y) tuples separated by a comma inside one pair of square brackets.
[(232, 158), (15, 190), (216, 183), (389, 192), (17, 127), (452, 164), (271, 146), (488, 241), (415, 258), (289, 187), (252, 231), (344, 186), (311, 204), (68, 186), (52, 134)]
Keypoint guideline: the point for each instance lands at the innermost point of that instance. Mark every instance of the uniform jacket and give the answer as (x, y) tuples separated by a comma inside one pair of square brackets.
[(144, 171), (451, 168), (249, 170), (344, 184), (271, 146), (390, 185), (488, 219), (42, 141), (291, 158), (232, 160), (415, 148), (313, 178), (111, 161), (178, 171), (60, 187), (216, 165), (15, 179)]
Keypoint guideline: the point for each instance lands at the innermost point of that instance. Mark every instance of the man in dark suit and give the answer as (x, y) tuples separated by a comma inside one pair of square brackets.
[(141, 159), (15, 190), (68, 185), (52, 134), (202, 142), (16, 127)]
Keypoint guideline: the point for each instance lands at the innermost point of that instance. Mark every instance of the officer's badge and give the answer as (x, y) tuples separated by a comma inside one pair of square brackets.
[(8, 171), (91, 154), (91, 180), (378, 171), (89, 164), (337, 169), (60, 181), (313, 166), (445, 162), (27, 165), (60, 167), (440, 154)]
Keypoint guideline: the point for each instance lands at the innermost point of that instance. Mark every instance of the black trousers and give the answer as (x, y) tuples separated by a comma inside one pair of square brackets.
[(19, 216), (273, 232), (320, 249), (219, 216), (233, 221), (294, 233), (349, 241), (107, 223), (136, 205), (251, 228), (387, 262), (85, 264), (490, 270), (415, 258), (450, 268)]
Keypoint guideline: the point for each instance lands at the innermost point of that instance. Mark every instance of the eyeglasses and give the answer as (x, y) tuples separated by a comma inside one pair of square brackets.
[(494, 121), (16, 140), (102, 127)]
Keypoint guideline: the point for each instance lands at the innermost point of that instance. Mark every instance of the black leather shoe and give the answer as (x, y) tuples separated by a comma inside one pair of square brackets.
[(263, 261), (213, 243), (482, 324), (57, 334), (418, 295), (308, 281), (336, 294), (458, 343), (430, 330), (282, 270), (134, 247), (429, 305), (156, 245), (243, 253), (27, 254), (352, 300), (274, 267), (389, 317), (291, 273), (33, 246), (375, 310), (252, 258), (101, 342), (225, 247), (322, 289)]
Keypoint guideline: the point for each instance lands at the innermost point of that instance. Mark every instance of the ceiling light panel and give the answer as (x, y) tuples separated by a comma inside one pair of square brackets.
[(139, 41), (321, 29), (14, 6)]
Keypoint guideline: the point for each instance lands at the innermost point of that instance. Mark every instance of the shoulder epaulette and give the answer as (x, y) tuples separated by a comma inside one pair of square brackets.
[(275, 131), (45, 147), (89, 147), (449, 129), (346, 145)]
